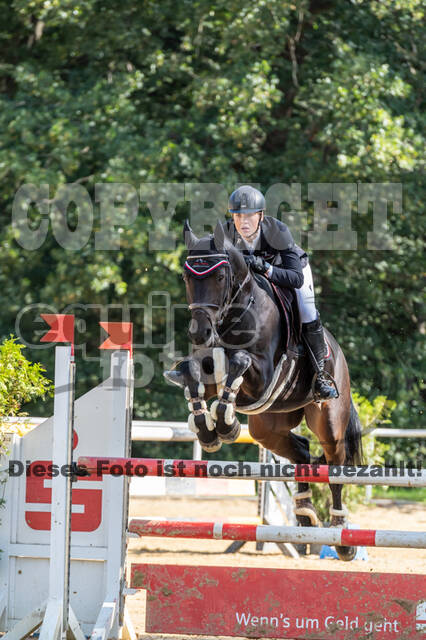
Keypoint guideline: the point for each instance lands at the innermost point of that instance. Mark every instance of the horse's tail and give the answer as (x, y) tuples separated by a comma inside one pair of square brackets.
[(353, 438)]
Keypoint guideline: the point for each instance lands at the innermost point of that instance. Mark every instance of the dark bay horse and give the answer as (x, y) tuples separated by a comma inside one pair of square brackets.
[(243, 357)]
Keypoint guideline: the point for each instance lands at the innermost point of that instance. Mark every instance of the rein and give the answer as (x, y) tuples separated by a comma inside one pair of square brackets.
[(229, 304), (229, 299)]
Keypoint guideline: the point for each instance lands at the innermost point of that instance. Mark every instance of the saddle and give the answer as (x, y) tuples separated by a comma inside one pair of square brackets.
[(286, 302), (287, 305)]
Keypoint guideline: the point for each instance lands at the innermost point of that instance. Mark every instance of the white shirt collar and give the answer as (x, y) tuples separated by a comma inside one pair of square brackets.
[(251, 245)]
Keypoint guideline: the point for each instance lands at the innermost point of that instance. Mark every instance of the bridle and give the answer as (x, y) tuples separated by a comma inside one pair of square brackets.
[(229, 297)]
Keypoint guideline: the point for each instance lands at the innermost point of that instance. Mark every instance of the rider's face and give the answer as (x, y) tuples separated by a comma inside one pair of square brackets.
[(247, 223)]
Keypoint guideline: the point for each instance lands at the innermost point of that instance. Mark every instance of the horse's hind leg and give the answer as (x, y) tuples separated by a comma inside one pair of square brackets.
[(273, 431), (329, 422)]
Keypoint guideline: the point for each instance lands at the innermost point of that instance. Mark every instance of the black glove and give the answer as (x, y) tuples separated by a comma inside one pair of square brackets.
[(256, 263)]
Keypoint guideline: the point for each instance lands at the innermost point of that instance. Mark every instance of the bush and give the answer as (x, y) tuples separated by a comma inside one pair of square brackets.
[(20, 382)]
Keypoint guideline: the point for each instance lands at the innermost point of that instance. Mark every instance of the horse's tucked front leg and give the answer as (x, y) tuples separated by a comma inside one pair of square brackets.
[(223, 409), (188, 376)]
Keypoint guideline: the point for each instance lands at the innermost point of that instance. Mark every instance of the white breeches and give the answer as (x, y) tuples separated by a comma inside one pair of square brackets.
[(306, 297)]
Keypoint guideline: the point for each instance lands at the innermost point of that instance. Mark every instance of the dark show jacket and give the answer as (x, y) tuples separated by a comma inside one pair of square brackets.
[(278, 248)]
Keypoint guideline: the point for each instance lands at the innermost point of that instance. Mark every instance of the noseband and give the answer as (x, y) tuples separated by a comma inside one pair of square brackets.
[(201, 268)]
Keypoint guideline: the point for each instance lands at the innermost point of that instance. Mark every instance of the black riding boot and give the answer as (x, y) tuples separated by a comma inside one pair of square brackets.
[(314, 335)]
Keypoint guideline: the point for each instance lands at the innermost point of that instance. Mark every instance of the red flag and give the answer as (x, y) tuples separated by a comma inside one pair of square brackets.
[(120, 335), (61, 328)]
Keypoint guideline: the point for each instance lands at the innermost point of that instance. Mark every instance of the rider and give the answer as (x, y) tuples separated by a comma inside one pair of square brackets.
[(271, 251)]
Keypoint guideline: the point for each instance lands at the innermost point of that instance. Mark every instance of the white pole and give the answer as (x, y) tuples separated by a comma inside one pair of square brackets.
[(122, 383), (58, 602), (197, 452)]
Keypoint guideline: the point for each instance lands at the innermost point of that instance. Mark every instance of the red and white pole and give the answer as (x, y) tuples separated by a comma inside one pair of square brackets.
[(237, 470), (269, 533)]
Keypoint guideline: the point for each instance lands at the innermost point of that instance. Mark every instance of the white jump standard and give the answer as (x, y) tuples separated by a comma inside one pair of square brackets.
[(69, 587)]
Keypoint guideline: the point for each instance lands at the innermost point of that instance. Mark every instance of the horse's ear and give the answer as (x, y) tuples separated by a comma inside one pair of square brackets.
[(235, 256), (189, 236), (219, 237)]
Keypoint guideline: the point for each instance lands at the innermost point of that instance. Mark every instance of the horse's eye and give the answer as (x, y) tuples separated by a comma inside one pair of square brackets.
[(220, 277)]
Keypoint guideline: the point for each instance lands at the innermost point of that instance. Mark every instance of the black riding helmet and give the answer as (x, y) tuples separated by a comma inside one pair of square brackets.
[(246, 199)]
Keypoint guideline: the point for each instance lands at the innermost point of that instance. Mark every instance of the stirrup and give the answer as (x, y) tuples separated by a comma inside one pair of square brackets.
[(333, 386)]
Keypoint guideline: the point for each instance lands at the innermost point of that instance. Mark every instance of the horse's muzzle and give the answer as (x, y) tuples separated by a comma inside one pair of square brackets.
[(201, 330)]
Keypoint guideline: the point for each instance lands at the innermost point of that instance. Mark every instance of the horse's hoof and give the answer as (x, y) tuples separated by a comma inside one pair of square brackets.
[(346, 553), (212, 446), (232, 435), (339, 519)]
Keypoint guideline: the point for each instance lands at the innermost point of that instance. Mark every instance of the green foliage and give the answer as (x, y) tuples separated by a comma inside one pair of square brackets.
[(372, 415), (411, 494), (265, 92), (20, 381)]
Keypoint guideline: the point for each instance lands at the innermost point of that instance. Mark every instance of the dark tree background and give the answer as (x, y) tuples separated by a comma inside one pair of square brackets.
[(228, 92)]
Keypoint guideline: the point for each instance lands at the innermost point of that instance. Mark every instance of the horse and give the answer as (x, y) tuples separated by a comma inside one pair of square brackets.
[(246, 357)]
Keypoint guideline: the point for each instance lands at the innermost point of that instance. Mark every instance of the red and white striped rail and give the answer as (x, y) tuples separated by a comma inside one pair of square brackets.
[(333, 474), (269, 533)]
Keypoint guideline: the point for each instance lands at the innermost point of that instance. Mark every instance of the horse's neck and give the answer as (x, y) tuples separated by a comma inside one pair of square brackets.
[(256, 311)]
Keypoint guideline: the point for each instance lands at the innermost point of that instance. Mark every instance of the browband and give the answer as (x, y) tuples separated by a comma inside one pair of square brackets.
[(203, 268), (208, 255)]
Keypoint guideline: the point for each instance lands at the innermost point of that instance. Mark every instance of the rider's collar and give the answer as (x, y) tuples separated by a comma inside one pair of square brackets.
[(202, 266), (249, 245)]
